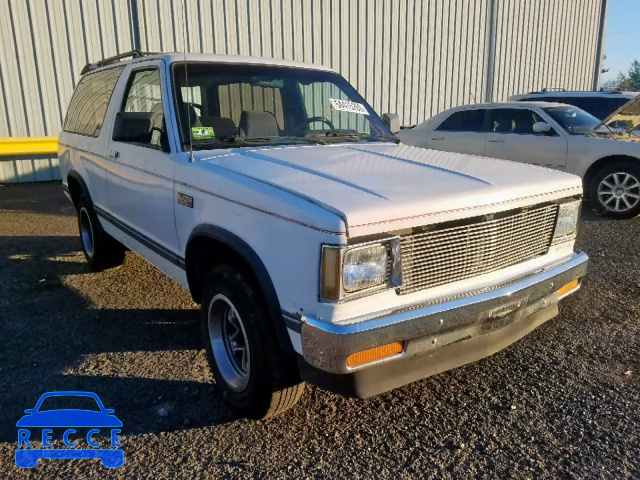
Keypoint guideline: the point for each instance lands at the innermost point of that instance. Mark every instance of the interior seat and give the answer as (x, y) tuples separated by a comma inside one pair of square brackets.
[(222, 126), (188, 117), (258, 123)]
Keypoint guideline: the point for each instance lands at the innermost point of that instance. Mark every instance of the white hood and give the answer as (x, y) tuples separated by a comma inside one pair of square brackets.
[(383, 186)]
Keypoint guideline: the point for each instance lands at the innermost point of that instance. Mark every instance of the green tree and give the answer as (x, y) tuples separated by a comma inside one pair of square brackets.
[(634, 76), (621, 82)]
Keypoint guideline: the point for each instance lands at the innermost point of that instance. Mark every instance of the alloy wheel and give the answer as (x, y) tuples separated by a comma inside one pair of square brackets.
[(619, 192)]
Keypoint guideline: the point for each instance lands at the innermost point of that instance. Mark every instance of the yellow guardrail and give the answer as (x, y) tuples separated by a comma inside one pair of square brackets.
[(28, 146)]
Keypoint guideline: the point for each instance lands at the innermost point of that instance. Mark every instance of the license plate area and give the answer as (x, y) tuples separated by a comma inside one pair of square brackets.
[(503, 315)]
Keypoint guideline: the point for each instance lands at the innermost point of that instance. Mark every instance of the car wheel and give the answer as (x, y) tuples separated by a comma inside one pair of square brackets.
[(254, 377), (100, 249), (615, 190)]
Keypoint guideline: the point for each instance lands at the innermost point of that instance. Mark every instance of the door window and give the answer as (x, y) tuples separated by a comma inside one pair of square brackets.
[(464, 121), (144, 95), (514, 120)]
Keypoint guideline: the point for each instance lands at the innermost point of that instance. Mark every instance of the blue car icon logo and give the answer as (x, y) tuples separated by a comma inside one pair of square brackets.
[(89, 413)]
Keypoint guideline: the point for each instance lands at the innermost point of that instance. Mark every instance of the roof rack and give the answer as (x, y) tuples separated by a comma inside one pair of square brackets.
[(549, 89), (116, 58)]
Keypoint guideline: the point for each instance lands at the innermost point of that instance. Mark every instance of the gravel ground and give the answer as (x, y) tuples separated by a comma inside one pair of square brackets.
[(564, 401)]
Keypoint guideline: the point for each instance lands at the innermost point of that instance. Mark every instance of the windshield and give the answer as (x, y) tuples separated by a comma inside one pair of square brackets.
[(228, 105), (573, 120)]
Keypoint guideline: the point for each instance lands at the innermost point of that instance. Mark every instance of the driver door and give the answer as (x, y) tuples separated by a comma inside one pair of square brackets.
[(140, 175)]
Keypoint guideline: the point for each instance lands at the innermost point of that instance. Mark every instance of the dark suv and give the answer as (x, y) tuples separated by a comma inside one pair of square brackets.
[(599, 104)]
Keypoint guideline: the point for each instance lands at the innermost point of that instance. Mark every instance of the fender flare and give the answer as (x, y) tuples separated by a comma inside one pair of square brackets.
[(261, 273), (83, 185)]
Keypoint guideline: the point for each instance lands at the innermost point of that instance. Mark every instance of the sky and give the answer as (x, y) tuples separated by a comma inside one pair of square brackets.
[(622, 37)]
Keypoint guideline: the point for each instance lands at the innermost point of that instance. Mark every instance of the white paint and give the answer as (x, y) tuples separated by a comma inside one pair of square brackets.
[(286, 202)]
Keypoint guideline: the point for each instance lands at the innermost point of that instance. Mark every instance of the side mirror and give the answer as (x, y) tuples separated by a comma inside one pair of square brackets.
[(133, 127), (29, 411), (392, 121), (109, 410), (542, 127)]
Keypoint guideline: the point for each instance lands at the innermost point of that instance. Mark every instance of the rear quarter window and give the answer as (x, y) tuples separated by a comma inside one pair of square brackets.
[(89, 103)]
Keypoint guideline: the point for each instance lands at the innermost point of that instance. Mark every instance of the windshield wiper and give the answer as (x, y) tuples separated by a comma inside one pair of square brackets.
[(276, 140), (242, 140), (391, 138), (338, 133)]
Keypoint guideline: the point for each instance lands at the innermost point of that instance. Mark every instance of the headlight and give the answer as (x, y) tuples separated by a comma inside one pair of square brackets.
[(356, 270), (567, 224), (364, 267)]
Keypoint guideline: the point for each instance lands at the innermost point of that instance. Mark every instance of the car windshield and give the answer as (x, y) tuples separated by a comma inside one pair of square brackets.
[(69, 402), (573, 120), (226, 105)]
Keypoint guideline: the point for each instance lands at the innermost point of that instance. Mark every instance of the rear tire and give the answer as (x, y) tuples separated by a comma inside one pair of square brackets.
[(615, 190), (100, 249), (253, 375)]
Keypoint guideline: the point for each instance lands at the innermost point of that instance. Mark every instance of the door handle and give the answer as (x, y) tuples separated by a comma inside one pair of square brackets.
[(112, 155), (496, 141), (438, 138)]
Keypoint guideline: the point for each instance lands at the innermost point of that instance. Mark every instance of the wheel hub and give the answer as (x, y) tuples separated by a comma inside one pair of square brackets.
[(619, 192), (86, 231), (229, 342)]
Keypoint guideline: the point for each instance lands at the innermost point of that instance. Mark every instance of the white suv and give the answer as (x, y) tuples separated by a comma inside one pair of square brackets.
[(319, 248), (605, 154)]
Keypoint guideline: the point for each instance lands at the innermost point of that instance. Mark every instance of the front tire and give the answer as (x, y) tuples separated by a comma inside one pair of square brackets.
[(254, 377), (100, 249), (615, 190)]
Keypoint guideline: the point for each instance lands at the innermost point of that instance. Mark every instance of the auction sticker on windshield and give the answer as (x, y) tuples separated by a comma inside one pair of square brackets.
[(347, 106), (202, 133)]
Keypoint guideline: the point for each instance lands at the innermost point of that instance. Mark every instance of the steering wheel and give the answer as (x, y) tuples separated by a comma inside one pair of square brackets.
[(309, 120)]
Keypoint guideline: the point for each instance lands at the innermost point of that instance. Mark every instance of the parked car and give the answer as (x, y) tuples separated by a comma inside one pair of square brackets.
[(319, 248), (553, 135), (600, 104)]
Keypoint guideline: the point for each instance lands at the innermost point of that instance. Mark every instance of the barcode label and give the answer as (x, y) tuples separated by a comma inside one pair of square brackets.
[(348, 106)]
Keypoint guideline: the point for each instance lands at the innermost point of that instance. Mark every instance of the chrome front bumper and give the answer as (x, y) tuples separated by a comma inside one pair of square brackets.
[(491, 320)]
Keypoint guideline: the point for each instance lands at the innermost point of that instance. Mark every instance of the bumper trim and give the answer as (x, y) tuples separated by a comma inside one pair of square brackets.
[(386, 376), (327, 345)]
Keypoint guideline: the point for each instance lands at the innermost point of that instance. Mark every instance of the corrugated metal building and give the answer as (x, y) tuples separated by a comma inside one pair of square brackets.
[(413, 57)]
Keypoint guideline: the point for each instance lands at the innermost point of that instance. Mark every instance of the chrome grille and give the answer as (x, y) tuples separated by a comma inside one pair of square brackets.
[(455, 253)]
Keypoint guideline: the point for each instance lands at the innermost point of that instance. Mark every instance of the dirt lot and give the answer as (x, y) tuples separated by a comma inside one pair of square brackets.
[(564, 401)]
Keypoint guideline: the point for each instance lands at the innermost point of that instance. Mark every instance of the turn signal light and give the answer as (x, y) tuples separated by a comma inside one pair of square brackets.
[(568, 288), (374, 354)]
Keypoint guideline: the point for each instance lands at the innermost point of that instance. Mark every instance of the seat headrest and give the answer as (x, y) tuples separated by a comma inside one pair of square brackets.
[(257, 123), (222, 126)]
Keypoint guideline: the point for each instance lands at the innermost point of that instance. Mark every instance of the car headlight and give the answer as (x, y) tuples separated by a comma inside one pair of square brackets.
[(567, 224), (356, 270)]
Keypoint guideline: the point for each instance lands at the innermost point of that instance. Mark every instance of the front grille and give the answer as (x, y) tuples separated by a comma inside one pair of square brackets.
[(453, 253)]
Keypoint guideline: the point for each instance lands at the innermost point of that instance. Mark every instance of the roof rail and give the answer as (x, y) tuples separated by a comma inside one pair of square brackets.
[(553, 89), (607, 90), (116, 58)]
